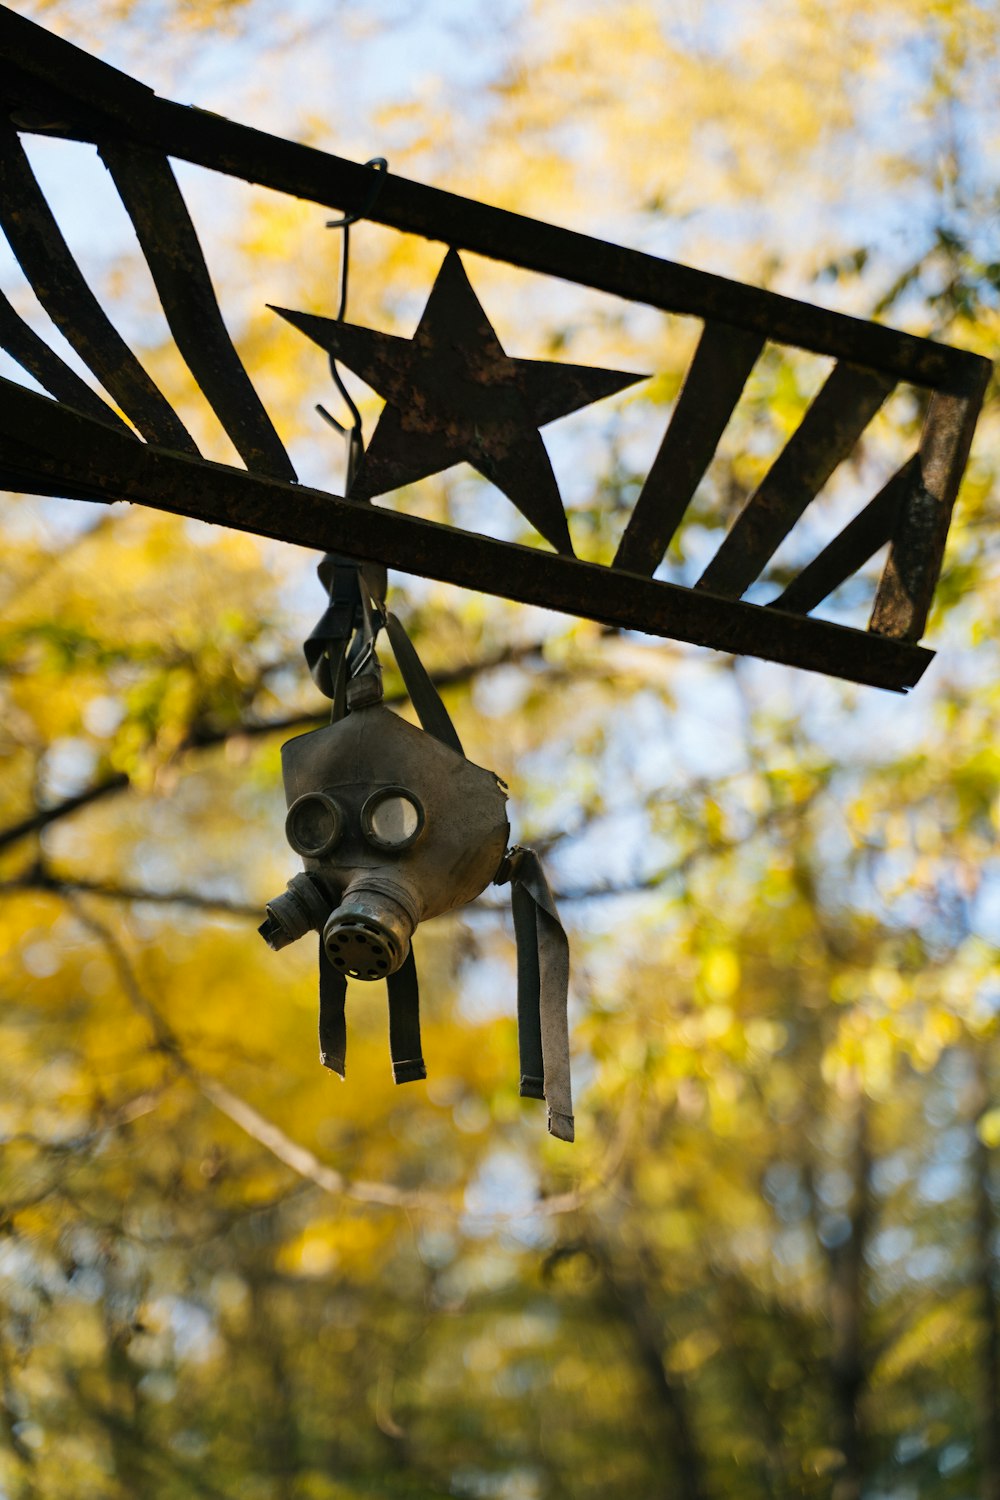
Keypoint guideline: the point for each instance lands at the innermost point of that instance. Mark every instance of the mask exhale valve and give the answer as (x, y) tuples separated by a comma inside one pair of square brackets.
[(300, 909)]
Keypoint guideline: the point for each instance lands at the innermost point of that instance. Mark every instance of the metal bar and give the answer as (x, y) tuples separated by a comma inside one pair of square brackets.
[(167, 237), (91, 94), (19, 475), (914, 563), (59, 284), (79, 454), (87, 80), (34, 355), (719, 371), (849, 551), (536, 246), (825, 436)]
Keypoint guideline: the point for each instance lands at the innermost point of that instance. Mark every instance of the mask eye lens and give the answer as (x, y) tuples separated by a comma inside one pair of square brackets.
[(314, 824), (392, 818)]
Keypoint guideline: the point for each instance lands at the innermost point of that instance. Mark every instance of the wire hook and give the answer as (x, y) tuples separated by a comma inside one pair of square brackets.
[(352, 433), (380, 166)]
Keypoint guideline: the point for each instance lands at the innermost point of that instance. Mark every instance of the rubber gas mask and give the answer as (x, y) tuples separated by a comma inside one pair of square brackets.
[(394, 825)]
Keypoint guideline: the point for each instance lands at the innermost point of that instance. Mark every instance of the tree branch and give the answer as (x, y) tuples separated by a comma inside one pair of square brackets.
[(205, 737), (40, 877), (985, 1281), (265, 1132), (37, 821), (628, 1296), (848, 1365)]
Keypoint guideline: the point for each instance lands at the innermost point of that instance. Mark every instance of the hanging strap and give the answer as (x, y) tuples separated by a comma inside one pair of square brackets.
[(326, 647), (329, 651), (364, 670), (529, 1018), (542, 989), (341, 647), (404, 1023), (345, 579), (332, 1025), (424, 695), (404, 1019)]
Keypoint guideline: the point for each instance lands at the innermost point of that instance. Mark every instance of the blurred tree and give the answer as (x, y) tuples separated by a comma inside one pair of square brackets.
[(769, 1267)]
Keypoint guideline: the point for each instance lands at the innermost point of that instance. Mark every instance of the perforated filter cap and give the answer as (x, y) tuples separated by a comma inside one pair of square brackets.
[(368, 936), (361, 950)]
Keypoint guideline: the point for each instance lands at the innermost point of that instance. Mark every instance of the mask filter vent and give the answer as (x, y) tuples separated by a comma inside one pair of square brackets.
[(358, 949), (368, 936)]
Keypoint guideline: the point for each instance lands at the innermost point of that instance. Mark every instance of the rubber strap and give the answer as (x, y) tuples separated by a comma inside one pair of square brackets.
[(332, 1025), (364, 670), (339, 709), (404, 1023), (529, 1020), (424, 695), (542, 990), (325, 648), (341, 648)]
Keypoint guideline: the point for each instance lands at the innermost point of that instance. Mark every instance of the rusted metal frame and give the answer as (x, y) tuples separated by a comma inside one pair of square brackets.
[(84, 96), (82, 77), (59, 284), (823, 439), (859, 540), (33, 354), (95, 96), (52, 446), (913, 566), (169, 242), (20, 476), (721, 366), (498, 234)]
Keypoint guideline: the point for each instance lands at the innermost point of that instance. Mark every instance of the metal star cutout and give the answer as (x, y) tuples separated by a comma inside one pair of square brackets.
[(452, 393)]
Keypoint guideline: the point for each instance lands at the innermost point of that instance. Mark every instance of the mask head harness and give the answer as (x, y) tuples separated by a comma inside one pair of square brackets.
[(394, 825)]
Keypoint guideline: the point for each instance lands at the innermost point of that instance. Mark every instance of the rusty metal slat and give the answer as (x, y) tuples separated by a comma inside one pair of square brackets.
[(719, 371), (167, 237), (19, 474), (825, 436), (93, 94), (849, 551), (86, 457), (59, 284), (34, 355), (910, 577), (83, 77), (498, 234)]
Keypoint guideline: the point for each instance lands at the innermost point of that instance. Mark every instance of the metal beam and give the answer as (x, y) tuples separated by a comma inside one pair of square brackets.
[(50, 87), (59, 89), (48, 448)]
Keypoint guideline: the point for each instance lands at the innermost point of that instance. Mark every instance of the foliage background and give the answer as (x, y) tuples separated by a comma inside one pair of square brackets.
[(769, 1267)]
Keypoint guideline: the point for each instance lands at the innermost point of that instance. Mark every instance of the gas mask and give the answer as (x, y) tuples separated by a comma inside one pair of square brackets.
[(394, 826)]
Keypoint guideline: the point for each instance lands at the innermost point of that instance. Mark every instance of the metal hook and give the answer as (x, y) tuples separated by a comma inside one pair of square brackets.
[(380, 167)]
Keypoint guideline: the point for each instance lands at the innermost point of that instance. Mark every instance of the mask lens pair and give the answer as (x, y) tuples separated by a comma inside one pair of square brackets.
[(391, 819)]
